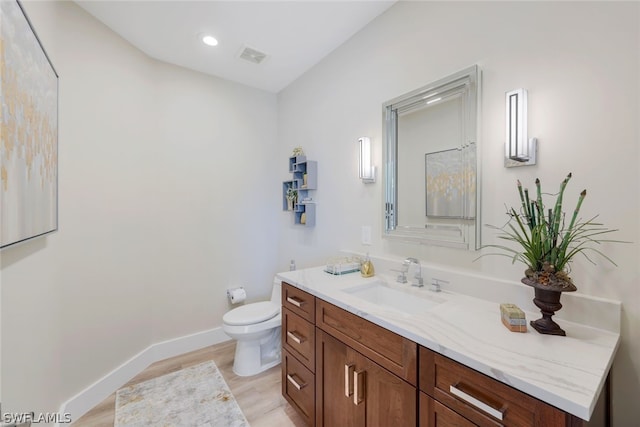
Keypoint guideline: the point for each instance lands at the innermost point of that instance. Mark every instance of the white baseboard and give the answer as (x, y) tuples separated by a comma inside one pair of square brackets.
[(84, 401)]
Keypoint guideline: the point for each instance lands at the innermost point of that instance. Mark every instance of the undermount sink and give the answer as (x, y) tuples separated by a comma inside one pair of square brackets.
[(381, 294)]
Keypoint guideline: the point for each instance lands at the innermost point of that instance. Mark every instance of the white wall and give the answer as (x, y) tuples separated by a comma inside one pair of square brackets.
[(167, 197), (581, 65)]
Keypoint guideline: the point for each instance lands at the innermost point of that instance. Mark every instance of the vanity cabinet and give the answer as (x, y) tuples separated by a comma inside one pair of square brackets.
[(455, 395), (344, 371)]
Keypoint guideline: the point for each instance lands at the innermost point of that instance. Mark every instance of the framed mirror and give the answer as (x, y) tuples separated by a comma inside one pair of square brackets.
[(431, 165)]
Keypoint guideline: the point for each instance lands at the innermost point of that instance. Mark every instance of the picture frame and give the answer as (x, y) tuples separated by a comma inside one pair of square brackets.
[(28, 131)]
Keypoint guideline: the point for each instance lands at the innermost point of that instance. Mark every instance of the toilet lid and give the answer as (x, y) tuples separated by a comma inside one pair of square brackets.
[(251, 313)]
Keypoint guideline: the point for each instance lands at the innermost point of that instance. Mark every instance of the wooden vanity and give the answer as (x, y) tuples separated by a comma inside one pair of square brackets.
[(342, 370)]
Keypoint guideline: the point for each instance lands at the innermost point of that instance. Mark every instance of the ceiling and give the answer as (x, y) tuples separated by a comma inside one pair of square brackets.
[(294, 34)]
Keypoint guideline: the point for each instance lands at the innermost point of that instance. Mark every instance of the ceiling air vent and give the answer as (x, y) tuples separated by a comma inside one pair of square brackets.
[(252, 55)]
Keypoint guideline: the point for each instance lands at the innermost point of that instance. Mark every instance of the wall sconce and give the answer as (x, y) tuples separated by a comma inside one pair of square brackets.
[(519, 150), (366, 171)]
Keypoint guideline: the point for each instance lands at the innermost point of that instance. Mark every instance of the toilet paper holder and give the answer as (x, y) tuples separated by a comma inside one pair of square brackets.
[(236, 295)]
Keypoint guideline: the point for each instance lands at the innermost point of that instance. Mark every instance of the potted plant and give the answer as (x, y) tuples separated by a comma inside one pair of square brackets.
[(547, 245), (292, 196)]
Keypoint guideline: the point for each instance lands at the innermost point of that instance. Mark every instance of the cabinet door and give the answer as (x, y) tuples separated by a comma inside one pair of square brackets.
[(335, 366), (388, 400), (352, 390), (434, 414)]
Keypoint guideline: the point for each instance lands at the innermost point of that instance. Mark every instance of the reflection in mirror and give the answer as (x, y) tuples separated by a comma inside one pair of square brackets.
[(431, 166)]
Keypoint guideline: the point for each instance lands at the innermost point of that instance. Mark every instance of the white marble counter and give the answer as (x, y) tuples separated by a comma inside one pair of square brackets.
[(566, 372)]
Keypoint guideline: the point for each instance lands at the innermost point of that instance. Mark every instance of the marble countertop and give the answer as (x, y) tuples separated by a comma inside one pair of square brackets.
[(566, 372)]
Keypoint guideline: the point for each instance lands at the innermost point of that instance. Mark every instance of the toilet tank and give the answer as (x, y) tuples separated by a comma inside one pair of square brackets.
[(276, 293)]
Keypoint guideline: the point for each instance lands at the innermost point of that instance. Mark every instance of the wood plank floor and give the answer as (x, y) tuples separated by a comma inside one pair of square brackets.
[(258, 396)]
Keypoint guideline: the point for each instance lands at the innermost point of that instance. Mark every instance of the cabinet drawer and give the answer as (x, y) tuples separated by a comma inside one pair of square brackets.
[(298, 336), (483, 400), (299, 302), (388, 349), (298, 387), (434, 414)]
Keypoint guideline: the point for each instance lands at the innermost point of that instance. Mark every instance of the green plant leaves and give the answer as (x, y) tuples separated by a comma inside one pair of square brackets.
[(547, 241)]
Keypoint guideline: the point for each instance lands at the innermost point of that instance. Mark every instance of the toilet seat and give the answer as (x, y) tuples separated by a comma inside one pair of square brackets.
[(250, 314)]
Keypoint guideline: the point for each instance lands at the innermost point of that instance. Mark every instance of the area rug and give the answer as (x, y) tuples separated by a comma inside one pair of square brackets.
[(194, 396)]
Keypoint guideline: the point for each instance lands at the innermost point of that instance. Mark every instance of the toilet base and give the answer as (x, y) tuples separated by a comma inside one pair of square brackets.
[(255, 356)]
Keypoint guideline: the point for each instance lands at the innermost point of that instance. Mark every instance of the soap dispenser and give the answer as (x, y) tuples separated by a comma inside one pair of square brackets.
[(366, 269)]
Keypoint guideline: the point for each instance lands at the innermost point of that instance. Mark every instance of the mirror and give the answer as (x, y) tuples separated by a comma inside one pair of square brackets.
[(431, 167)]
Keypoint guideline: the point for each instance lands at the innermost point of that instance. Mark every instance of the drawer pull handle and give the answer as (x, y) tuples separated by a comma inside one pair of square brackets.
[(295, 383), (295, 301), (475, 402), (348, 375), (358, 380), (295, 337)]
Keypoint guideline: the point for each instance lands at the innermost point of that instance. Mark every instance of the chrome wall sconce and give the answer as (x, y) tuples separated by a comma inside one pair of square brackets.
[(520, 150), (366, 170)]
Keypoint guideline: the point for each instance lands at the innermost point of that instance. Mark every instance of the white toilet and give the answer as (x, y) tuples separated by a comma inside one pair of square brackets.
[(256, 328)]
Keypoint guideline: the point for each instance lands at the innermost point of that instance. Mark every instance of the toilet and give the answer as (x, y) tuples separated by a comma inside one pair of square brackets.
[(256, 328)]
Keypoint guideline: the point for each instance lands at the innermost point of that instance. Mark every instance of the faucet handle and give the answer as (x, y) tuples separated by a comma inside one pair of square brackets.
[(402, 277), (435, 284)]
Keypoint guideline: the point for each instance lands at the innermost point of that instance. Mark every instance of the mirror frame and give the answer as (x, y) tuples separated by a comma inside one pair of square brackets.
[(464, 233)]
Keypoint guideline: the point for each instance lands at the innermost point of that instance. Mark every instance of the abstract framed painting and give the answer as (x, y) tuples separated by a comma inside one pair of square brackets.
[(444, 184), (28, 131)]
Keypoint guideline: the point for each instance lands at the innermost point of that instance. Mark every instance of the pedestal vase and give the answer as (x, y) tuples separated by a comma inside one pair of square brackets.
[(547, 299)]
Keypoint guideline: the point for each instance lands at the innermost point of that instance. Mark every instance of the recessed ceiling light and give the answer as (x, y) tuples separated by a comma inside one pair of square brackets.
[(209, 40)]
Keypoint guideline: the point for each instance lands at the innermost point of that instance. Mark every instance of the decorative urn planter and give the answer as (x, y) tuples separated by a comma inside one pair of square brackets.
[(547, 240), (547, 299)]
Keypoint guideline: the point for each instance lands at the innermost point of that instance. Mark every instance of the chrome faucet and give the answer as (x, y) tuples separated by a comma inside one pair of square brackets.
[(417, 278)]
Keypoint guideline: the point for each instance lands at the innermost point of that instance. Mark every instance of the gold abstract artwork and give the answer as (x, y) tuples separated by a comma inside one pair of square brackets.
[(449, 182), (28, 131)]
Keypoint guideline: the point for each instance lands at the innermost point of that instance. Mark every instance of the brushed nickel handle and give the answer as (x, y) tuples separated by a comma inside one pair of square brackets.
[(295, 337), (295, 301), (295, 383), (476, 402), (348, 374), (358, 381)]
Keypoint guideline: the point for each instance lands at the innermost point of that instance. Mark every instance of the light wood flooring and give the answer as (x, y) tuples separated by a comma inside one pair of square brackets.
[(259, 396)]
